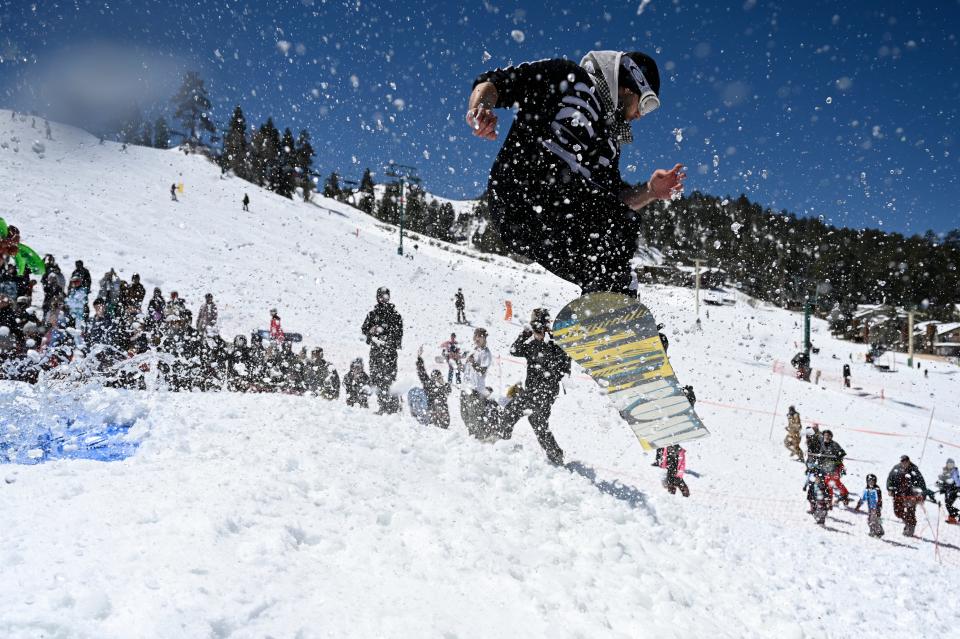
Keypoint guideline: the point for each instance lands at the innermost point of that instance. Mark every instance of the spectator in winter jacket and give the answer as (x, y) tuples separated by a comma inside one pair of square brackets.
[(546, 364), (246, 202), (830, 460), (873, 498), (814, 441), (383, 328), (555, 189), (135, 293), (81, 271), (320, 378), (356, 383), (792, 440), (906, 485), (473, 394), (76, 300), (207, 316), (53, 287), (437, 393), (110, 291), (949, 484), (155, 309), (674, 460)]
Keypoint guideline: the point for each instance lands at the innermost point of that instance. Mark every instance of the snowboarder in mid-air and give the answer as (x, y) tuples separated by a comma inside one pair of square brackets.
[(555, 189)]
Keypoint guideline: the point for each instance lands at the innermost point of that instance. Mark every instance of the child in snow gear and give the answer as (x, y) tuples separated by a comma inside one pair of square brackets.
[(383, 328), (816, 490), (437, 393), (674, 460), (356, 383), (792, 440), (949, 484), (461, 305), (451, 353), (555, 190), (908, 488), (873, 498), (546, 364)]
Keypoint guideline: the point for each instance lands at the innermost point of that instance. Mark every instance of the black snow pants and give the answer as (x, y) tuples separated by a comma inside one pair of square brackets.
[(538, 404)]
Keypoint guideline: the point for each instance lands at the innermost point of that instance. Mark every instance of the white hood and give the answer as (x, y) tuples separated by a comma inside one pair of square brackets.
[(606, 63)]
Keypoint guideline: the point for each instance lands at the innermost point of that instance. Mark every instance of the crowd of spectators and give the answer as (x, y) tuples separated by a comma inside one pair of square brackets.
[(113, 335)]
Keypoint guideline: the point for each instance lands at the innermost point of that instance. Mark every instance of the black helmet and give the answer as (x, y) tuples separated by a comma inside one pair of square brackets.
[(383, 292), (871, 477), (540, 320)]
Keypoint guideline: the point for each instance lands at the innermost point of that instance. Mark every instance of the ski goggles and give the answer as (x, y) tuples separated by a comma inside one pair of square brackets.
[(649, 102)]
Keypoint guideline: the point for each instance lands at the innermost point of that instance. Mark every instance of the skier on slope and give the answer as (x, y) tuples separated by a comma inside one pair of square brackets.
[(555, 189), (907, 486), (831, 462)]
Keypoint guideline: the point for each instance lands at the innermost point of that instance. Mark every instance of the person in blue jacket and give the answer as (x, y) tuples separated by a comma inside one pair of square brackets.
[(873, 498)]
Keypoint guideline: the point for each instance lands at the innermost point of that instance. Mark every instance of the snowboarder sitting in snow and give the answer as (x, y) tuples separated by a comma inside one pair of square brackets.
[(546, 364), (949, 484), (816, 490), (356, 383), (319, 377), (555, 190), (873, 498), (437, 393), (674, 460)]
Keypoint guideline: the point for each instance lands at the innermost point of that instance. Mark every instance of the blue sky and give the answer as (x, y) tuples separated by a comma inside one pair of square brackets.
[(843, 110)]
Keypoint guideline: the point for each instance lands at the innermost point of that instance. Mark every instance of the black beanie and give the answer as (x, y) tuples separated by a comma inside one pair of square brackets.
[(649, 69)]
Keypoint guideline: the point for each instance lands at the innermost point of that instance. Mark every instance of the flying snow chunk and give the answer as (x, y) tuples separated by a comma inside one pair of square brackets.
[(735, 227), (678, 135), (399, 104), (283, 46), (354, 82), (485, 57), (518, 35), (643, 5)]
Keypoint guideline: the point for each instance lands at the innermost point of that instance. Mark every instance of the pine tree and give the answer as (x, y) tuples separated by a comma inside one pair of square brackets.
[(193, 107), (416, 211), (285, 176), (235, 155), (304, 165), (132, 126), (146, 135), (368, 199), (388, 208), (161, 134), (331, 188), (445, 221), (265, 155)]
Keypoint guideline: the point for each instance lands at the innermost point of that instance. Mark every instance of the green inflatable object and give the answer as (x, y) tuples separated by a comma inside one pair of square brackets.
[(25, 256)]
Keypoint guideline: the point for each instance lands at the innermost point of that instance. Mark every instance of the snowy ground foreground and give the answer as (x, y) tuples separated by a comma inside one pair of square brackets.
[(251, 516)]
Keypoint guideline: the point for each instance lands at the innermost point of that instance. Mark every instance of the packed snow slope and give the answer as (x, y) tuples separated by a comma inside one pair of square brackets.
[(267, 515)]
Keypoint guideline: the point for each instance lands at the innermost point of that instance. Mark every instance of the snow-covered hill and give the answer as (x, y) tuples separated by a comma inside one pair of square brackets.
[(258, 515)]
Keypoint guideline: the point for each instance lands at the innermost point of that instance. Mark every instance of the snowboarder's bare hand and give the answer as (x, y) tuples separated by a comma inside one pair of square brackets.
[(663, 184), (483, 121)]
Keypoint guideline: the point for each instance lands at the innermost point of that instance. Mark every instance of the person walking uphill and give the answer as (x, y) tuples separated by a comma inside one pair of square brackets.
[(383, 328), (555, 189), (792, 440), (906, 485), (949, 484), (546, 364), (461, 304), (437, 393)]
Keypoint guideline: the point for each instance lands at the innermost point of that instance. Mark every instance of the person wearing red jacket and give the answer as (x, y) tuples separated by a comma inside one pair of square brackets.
[(673, 459), (276, 333)]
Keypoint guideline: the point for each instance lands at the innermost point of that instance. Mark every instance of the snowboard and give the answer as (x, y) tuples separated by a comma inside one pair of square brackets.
[(417, 398), (615, 338)]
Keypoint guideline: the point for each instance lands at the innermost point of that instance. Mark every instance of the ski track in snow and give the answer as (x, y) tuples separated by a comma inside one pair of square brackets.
[(257, 515)]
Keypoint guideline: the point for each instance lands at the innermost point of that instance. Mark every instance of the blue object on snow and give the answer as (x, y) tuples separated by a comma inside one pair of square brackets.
[(417, 398), (78, 440)]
